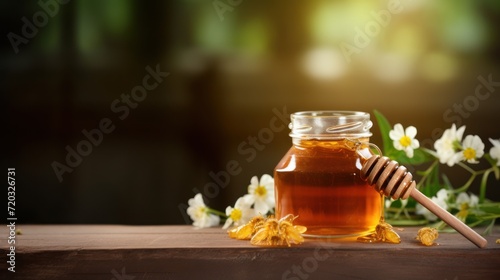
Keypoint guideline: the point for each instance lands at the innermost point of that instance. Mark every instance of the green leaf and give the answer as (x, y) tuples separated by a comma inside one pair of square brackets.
[(432, 184), (419, 157), (385, 128), (490, 209)]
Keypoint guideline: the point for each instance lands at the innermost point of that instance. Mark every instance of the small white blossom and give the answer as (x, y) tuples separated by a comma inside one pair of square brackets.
[(447, 146), (495, 150), (404, 139), (240, 214), (261, 194), (198, 212), (442, 194), (440, 199), (472, 149), (463, 199), (463, 203)]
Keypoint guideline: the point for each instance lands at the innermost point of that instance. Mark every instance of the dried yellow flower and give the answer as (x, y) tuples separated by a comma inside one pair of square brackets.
[(279, 233), (497, 241), (246, 231), (291, 234), (427, 235), (268, 234), (384, 232), (270, 231)]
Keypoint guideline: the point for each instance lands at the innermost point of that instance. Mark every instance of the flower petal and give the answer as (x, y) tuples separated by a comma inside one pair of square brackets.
[(266, 179), (261, 207), (495, 150), (397, 132), (462, 198), (228, 223), (397, 145), (254, 181), (459, 133), (198, 199), (494, 142), (411, 132), (249, 199), (409, 152)]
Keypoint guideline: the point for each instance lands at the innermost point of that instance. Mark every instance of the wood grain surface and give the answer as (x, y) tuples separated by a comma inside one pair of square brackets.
[(183, 252)]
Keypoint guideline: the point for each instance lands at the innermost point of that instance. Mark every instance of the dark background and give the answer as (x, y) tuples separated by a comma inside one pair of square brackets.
[(227, 75)]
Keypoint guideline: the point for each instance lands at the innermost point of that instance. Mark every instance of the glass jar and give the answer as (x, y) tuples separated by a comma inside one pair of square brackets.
[(319, 179)]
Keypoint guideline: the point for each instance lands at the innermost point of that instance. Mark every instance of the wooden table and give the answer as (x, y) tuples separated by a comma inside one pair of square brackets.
[(183, 252)]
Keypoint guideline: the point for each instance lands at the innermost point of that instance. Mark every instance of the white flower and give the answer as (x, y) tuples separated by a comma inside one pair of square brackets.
[(240, 214), (442, 194), (448, 144), (198, 212), (463, 199), (495, 150), (404, 139), (472, 149), (440, 199), (463, 203), (261, 194)]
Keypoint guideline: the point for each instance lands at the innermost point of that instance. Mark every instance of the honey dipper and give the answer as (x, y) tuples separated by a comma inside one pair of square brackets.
[(395, 181)]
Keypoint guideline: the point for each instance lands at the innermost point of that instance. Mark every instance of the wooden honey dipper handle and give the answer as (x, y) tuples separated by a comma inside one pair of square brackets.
[(394, 181), (448, 218)]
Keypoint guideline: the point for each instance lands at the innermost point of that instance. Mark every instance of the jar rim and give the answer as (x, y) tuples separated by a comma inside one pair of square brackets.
[(331, 113), (330, 124)]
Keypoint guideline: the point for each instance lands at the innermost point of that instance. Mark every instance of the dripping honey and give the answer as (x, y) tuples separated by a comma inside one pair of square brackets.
[(319, 181)]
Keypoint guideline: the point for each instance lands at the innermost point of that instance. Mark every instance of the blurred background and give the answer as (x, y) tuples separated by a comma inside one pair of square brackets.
[(235, 66)]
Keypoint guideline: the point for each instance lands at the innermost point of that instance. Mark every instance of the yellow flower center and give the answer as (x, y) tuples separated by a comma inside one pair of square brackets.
[(469, 153), (235, 214), (464, 211), (464, 206), (405, 141), (201, 211), (261, 191)]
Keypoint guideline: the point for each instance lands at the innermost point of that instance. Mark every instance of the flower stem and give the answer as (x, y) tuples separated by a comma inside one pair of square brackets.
[(473, 176), (482, 189), (426, 173), (464, 166), (489, 227), (466, 185), (215, 212), (430, 152)]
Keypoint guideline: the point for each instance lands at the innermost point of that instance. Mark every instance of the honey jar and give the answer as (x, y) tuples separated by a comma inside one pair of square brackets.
[(319, 178)]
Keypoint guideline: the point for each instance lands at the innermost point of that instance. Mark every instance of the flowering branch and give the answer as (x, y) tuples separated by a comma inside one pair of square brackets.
[(258, 200), (452, 149)]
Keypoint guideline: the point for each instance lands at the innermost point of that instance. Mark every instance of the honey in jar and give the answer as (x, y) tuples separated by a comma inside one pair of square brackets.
[(319, 179)]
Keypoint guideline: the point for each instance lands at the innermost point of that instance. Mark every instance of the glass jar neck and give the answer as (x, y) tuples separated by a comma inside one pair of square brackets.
[(330, 125), (352, 143)]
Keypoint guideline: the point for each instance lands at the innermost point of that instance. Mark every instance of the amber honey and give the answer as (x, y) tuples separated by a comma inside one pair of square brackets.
[(319, 181)]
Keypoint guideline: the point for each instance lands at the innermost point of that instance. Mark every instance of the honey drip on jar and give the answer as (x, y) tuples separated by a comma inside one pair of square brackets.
[(319, 181)]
